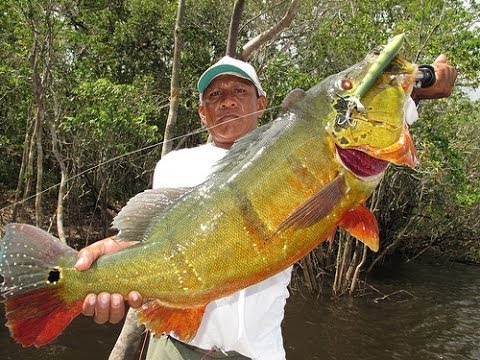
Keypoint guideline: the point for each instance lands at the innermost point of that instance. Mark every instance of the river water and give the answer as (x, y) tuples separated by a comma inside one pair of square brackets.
[(417, 311)]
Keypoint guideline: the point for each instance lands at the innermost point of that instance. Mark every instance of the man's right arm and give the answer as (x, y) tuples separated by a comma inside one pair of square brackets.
[(104, 306)]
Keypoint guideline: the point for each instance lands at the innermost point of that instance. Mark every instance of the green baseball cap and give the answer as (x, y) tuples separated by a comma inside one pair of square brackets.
[(231, 66)]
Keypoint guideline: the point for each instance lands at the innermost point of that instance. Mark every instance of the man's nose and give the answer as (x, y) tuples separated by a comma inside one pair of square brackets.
[(228, 100)]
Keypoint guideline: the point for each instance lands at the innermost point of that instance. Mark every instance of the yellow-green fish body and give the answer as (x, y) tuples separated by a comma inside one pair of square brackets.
[(278, 193)]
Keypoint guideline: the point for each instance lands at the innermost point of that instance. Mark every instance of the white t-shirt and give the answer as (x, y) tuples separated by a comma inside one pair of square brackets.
[(248, 321)]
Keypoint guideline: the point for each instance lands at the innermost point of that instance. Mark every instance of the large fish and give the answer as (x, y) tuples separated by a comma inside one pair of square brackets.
[(278, 193)]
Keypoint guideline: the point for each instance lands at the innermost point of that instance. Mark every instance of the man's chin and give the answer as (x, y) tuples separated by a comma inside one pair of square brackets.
[(229, 136)]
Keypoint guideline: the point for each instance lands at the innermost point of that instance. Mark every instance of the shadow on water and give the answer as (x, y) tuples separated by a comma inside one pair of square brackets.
[(435, 316)]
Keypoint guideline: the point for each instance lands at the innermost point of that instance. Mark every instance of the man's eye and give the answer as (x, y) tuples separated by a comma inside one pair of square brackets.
[(215, 93), (239, 90)]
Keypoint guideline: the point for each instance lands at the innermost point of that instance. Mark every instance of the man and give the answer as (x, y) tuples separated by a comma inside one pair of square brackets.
[(246, 324)]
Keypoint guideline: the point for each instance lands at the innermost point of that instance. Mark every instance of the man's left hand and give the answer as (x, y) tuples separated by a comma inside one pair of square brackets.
[(446, 75)]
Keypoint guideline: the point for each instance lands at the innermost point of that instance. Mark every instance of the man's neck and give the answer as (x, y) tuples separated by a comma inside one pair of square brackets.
[(222, 145)]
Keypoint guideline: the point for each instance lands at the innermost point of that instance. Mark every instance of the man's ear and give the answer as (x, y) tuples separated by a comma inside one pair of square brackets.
[(261, 105), (201, 113)]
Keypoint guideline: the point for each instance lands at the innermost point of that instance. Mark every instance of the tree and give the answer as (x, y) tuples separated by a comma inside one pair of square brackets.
[(175, 82)]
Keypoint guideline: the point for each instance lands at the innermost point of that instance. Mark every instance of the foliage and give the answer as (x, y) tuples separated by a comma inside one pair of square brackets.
[(451, 175), (111, 65)]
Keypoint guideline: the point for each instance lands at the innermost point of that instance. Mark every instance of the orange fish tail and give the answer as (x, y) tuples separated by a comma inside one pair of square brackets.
[(33, 287)]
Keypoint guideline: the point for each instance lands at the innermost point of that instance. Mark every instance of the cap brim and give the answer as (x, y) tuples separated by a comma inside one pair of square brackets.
[(220, 69)]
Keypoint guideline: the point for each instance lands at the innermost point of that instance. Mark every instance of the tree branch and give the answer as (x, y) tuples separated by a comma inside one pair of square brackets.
[(250, 47)]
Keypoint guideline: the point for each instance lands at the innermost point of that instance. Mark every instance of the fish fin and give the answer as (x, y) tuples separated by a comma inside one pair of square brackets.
[(331, 237), (31, 262), (135, 217), (317, 206), (160, 318), (361, 223), (39, 316), (292, 99)]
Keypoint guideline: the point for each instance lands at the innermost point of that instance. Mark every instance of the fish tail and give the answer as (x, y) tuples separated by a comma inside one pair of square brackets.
[(36, 304)]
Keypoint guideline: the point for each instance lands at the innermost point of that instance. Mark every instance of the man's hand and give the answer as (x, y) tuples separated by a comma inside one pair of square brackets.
[(104, 306), (446, 75)]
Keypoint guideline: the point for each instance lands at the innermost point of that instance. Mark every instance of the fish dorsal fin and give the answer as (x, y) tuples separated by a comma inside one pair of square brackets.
[(291, 100), (135, 217), (317, 206), (360, 223)]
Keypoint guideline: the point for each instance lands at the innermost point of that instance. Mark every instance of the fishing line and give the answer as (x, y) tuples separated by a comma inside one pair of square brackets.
[(194, 132)]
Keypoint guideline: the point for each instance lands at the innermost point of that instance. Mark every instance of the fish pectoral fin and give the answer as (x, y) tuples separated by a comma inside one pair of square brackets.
[(317, 206), (361, 223), (161, 318)]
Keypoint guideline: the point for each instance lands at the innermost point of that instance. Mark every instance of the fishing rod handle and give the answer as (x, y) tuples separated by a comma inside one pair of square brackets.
[(426, 76)]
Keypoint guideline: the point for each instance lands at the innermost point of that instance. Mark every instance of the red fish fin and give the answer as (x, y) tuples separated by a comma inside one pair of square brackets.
[(317, 206), (39, 316), (31, 263), (361, 223), (331, 238), (160, 318)]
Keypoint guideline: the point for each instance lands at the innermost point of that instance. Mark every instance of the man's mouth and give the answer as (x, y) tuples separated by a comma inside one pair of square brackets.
[(227, 118)]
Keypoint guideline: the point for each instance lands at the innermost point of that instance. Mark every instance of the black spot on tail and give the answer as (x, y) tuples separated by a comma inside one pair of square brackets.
[(54, 276)]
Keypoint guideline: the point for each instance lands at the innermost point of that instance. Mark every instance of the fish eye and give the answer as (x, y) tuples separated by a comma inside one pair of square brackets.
[(344, 85)]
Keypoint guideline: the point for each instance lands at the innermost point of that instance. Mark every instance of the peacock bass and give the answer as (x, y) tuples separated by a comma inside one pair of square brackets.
[(278, 193)]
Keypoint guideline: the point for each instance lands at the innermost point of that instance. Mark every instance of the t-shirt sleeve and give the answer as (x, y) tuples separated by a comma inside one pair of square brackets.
[(411, 113)]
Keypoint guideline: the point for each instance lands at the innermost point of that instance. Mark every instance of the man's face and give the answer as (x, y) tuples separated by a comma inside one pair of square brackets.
[(230, 109)]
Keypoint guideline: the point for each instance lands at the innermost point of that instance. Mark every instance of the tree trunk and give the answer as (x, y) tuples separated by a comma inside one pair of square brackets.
[(175, 82), (233, 29), (63, 179), (22, 173), (39, 121), (357, 270), (128, 344)]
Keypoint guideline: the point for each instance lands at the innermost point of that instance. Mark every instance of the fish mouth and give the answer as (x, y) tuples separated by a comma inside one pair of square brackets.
[(400, 153), (360, 163), (368, 162)]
